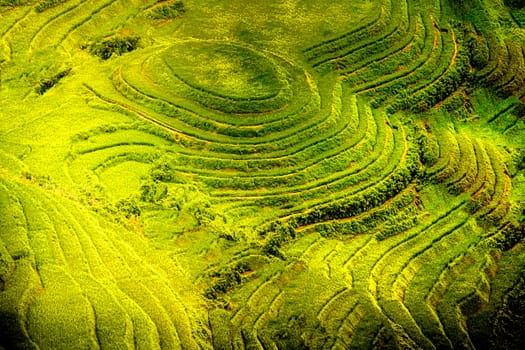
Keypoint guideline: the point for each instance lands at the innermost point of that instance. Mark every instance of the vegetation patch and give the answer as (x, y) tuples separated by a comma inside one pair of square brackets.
[(47, 84), (278, 175), (167, 10), (106, 48)]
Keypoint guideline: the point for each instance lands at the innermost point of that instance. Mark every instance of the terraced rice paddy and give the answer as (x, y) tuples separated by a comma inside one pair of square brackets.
[(271, 175)]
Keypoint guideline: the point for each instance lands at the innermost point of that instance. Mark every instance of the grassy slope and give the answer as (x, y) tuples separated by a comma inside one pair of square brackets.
[(350, 182)]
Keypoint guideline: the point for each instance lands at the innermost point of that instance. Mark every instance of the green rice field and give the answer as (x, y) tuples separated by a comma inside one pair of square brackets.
[(294, 174)]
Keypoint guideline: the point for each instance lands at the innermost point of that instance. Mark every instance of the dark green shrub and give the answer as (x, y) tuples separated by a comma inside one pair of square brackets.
[(509, 237), (167, 11), (276, 234), (225, 279), (515, 3), (153, 192), (128, 207), (47, 84), (162, 171), (106, 48)]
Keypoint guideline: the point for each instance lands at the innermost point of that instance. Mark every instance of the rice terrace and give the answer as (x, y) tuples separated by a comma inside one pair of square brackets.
[(280, 174)]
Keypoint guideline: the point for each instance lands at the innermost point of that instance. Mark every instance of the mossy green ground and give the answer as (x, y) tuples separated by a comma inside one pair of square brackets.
[(276, 174)]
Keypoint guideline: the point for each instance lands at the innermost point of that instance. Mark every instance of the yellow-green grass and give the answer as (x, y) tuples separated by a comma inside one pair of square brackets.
[(81, 273), (281, 175), (61, 305), (383, 67), (323, 52), (362, 143), (391, 39)]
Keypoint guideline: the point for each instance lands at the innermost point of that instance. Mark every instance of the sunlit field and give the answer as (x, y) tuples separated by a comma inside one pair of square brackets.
[(294, 174)]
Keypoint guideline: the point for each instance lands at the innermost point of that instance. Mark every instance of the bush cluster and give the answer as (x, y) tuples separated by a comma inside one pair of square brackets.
[(168, 11), (106, 48), (225, 278), (153, 192), (509, 237), (515, 3), (276, 234), (128, 207), (47, 84)]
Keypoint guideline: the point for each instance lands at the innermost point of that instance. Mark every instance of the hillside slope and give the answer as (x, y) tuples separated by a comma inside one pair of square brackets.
[(272, 175)]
